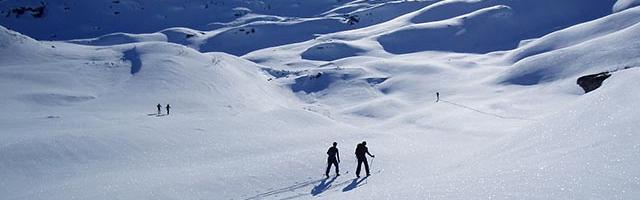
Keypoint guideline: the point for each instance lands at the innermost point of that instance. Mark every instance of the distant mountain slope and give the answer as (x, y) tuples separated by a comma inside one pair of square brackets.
[(138, 71), (471, 26), (603, 45), (64, 19)]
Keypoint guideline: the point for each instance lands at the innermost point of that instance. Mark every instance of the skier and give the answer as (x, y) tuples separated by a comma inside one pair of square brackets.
[(437, 96), (361, 152), (334, 158), (168, 107), (159, 108)]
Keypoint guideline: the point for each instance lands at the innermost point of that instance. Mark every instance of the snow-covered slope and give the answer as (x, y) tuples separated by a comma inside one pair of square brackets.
[(625, 4), (85, 19), (470, 26), (253, 31), (78, 19), (82, 112), (79, 118)]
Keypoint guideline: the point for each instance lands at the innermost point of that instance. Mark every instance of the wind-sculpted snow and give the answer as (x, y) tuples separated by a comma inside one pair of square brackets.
[(625, 4), (326, 82), (450, 9), (567, 11), (15, 47), (263, 34), (158, 68), (224, 31), (331, 51), (258, 36), (445, 113), (468, 33), (120, 38), (487, 25), (576, 35), (604, 47), (85, 19)]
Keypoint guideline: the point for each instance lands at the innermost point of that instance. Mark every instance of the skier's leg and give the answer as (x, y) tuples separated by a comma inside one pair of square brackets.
[(328, 168), (337, 169), (366, 166), (358, 168)]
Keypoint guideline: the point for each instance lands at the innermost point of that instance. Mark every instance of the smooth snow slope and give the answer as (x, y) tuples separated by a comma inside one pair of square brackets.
[(549, 111), (82, 125), (472, 25), (625, 4), (79, 121)]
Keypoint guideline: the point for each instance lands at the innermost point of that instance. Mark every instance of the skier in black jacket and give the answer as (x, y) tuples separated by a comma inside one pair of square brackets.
[(361, 152), (334, 158), (168, 107), (159, 109)]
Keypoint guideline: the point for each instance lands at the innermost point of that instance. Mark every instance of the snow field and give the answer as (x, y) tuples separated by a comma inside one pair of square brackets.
[(79, 120)]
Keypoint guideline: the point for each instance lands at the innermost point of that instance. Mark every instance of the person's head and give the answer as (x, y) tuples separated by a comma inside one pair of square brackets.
[(335, 144), (364, 142)]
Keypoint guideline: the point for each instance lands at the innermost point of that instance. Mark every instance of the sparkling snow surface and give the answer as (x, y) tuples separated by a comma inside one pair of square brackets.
[(260, 89)]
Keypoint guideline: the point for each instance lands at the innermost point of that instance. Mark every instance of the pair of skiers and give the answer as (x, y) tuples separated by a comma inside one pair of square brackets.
[(361, 152), (160, 108)]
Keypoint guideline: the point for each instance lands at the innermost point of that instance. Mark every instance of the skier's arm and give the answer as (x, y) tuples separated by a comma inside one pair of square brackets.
[(370, 154), (338, 155)]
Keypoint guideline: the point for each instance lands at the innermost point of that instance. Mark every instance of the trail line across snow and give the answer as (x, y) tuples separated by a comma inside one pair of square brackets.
[(484, 112)]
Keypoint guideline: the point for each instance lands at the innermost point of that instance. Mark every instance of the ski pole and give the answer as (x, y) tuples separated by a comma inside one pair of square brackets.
[(371, 165)]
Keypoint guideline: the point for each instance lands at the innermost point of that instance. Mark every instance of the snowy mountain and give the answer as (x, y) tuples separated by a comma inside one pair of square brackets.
[(537, 99)]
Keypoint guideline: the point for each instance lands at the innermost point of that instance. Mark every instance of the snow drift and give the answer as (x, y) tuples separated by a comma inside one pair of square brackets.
[(472, 26), (79, 117)]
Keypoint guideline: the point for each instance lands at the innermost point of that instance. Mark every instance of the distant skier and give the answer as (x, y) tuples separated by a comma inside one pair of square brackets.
[(361, 152), (168, 107), (437, 96), (159, 109), (334, 158)]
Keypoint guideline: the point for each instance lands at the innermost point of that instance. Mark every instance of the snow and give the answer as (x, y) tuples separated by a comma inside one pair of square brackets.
[(600, 54), (331, 51), (624, 4), (78, 19), (257, 99), (467, 26)]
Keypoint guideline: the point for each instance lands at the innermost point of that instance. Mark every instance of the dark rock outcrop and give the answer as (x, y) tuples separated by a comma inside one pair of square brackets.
[(593, 81), (36, 11)]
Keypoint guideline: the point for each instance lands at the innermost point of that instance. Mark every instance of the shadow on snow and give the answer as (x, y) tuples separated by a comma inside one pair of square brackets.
[(133, 56), (323, 186), (354, 184), (291, 188)]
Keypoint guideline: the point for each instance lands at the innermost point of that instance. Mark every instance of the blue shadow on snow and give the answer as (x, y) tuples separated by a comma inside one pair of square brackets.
[(354, 184), (323, 186), (133, 56)]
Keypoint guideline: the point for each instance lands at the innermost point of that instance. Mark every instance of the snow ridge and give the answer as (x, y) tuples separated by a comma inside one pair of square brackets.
[(457, 99)]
